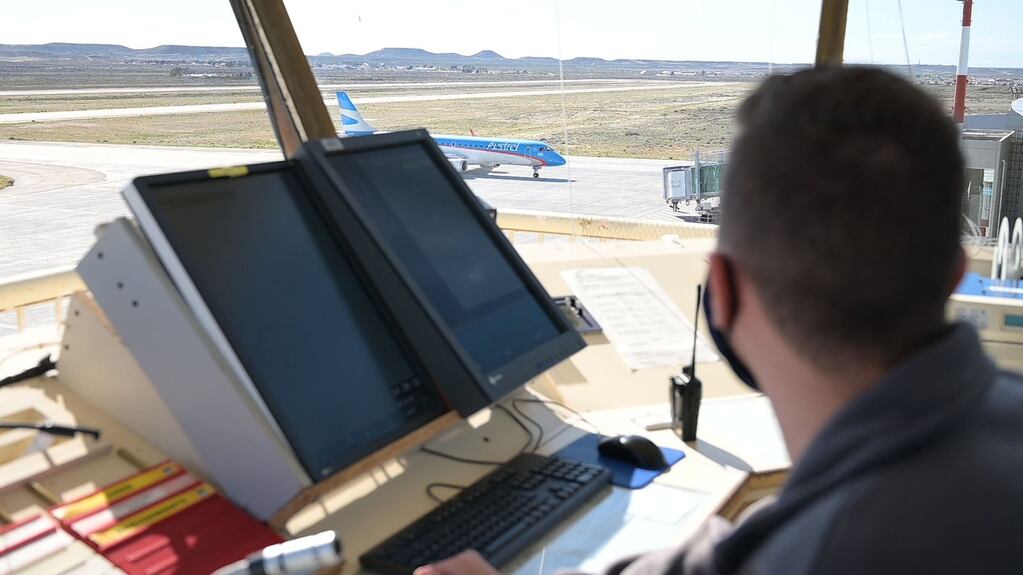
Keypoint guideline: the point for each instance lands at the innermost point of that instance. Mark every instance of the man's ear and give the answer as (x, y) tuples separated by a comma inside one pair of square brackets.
[(960, 271), (722, 292)]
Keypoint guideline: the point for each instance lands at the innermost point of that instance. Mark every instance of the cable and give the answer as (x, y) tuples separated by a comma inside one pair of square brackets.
[(54, 429), (563, 406), (45, 364), (460, 459), (529, 441), (524, 428), (539, 438), (430, 487), (425, 449), (564, 119), (905, 44), (15, 352)]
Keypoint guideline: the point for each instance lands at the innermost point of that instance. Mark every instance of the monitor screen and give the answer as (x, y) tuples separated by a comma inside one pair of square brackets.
[(328, 366), (432, 229)]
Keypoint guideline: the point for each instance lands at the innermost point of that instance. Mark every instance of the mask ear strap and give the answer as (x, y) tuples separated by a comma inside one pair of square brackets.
[(733, 299), (720, 337), (734, 293)]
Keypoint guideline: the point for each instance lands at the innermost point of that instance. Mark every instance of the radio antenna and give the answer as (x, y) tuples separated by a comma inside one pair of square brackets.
[(686, 389), (696, 323)]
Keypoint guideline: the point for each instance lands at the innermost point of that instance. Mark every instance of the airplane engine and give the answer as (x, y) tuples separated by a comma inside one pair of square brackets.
[(459, 165)]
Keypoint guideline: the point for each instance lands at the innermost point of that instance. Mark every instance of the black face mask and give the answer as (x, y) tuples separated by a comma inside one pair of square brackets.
[(725, 348)]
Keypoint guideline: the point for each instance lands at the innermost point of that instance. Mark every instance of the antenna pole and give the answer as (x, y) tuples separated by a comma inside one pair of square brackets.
[(959, 107), (696, 324), (687, 390)]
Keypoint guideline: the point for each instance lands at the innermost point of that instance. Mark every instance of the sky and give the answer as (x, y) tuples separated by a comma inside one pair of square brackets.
[(781, 31)]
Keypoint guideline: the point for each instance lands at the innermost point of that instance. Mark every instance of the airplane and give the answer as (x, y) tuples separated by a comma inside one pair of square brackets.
[(466, 151)]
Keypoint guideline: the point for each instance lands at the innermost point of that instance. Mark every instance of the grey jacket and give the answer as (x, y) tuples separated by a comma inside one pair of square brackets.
[(922, 474)]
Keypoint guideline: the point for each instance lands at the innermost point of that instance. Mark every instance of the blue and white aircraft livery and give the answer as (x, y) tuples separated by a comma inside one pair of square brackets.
[(466, 151)]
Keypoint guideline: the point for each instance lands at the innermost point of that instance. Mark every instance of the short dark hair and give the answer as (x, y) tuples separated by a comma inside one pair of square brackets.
[(842, 203)]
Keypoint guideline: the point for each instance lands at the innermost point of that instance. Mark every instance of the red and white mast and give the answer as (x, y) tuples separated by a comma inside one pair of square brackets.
[(959, 107)]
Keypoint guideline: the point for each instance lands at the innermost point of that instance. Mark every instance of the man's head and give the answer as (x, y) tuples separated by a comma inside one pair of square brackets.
[(841, 210)]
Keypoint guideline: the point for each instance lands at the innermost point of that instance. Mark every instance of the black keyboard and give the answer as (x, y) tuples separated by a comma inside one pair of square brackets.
[(498, 516)]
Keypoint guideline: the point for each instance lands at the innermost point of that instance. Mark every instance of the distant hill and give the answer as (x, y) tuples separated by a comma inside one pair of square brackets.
[(487, 55), (418, 57), (60, 49), (400, 56), (196, 51), (405, 54)]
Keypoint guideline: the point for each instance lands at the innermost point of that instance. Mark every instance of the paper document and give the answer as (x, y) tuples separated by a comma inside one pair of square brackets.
[(644, 324), (624, 523), (747, 428)]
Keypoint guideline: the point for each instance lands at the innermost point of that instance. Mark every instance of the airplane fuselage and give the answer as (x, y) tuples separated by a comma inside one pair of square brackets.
[(495, 151), (465, 151)]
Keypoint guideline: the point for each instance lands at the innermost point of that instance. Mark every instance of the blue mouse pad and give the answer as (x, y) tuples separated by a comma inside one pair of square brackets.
[(622, 474)]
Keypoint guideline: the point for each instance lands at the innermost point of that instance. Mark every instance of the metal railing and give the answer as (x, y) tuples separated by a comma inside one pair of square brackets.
[(544, 224), (52, 287)]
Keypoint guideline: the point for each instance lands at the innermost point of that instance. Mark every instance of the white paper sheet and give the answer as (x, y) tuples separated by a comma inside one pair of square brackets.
[(644, 324), (624, 523), (747, 428)]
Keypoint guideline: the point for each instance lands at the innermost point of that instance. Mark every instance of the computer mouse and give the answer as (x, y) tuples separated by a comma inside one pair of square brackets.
[(634, 450)]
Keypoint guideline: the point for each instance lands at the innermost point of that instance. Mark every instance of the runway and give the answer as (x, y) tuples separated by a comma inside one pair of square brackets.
[(255, 88), (63, 191), (26, 117)]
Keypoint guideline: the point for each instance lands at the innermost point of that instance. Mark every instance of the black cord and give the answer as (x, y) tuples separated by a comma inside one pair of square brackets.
[(430, 487), (425, 449), (460, 459), (45, 364), (529, 442), (54, 429), (563, 406), (529, 433), (539, 439)]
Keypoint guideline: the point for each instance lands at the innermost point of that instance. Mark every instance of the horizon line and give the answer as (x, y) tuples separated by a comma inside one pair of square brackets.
[(334, 55)]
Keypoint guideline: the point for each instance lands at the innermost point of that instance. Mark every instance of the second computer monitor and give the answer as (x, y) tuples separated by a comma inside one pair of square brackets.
[(461, 269)]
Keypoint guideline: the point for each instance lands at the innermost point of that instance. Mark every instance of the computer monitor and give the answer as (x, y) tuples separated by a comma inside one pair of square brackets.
[(452, 270), (283, 302)]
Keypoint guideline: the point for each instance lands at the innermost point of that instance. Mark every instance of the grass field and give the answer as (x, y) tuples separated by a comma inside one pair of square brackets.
[(5, 181), (668, 123), (65, 102), (664, 124)]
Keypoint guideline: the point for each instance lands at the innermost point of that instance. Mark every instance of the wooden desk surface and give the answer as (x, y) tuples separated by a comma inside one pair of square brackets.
[(379, 503), (389, 496), (367, 511)]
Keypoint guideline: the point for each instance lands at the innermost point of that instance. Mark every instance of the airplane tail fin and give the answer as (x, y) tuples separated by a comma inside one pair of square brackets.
[(352, 123)]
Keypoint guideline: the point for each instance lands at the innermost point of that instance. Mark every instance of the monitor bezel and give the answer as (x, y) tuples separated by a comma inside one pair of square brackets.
[(134, 194), (522, 369)]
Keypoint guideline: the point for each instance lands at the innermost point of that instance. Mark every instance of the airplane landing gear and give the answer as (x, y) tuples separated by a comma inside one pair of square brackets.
[(536, 173)]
